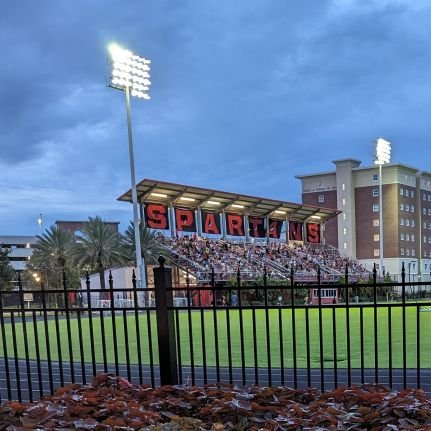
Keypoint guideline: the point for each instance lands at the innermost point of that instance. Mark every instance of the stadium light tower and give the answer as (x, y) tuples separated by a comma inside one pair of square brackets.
[(130, 73), (383, 155)]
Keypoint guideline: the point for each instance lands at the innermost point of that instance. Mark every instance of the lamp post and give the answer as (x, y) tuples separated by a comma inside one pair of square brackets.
[(383, 155), (130, 73)]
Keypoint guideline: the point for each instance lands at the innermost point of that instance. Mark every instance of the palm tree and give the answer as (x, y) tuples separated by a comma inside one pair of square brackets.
[(151, 248), (99, 246), (52, 254)]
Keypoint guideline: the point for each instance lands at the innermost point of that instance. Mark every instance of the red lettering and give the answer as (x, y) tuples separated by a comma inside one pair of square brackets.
[(157, 216), (184, 219), (210, 224), (273, 229), (295, 231), (313, 233), (256, 227), (235, 224)]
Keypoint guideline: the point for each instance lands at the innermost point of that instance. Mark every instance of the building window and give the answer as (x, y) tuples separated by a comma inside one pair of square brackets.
[(424, 197), (375, 193), (345, 231), (429, 240), (376, 222), (402, 237), (429, 211), (407, 237), (425, 239), (407, 252), (412, 236), (413, 254), (429, 225), (343, 201), (343, 187), (429, 198), (407, 222), (376, 237), (376, 252), (425, 225), (321, 198), (412, 208), (375, 208), (412, 193), (402, 221), (402, 251), (407, 207), (401, 191), (375, 177), (401, 207), (412, 223), (424, 211)]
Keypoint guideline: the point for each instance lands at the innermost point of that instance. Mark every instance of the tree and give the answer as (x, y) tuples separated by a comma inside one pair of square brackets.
[(52, 254), (98, 246), (150, 246), (6, 269)]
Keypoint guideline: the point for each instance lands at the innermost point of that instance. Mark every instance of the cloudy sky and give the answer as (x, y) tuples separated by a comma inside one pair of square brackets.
[(245, 95)]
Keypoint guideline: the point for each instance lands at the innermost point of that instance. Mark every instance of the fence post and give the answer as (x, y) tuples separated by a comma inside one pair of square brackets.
[(165, 324)]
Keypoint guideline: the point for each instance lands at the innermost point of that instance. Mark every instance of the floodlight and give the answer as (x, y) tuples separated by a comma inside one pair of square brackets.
[(184, 198), (213, 203), (383, 152), (129, 71), (158, 195), (237, 206)]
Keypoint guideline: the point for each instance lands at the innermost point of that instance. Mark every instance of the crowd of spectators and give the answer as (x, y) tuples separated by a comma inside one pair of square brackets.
[(203, 255)]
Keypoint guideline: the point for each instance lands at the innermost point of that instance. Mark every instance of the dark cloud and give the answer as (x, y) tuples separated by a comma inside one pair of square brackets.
[(244, 96)]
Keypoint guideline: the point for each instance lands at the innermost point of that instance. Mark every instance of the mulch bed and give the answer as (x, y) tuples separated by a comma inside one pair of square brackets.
[(112, 403)]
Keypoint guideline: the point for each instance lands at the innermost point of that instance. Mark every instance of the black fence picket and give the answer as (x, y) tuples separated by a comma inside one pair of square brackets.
[(243, 332)]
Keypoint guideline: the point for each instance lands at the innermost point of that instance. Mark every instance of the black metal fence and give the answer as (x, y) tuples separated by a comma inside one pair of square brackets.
[(317, 334)]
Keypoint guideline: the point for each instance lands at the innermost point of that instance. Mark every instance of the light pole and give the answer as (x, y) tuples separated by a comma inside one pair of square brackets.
[(383, 155), (130, 73)]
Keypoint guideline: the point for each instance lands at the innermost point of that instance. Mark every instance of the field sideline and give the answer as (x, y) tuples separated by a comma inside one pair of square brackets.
[(228, 321)]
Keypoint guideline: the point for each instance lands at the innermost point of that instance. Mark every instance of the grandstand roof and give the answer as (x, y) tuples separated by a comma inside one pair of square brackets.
[(191, 197)]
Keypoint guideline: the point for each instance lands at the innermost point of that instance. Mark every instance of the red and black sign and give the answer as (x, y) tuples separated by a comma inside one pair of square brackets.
[(185, 220), (256, 227), (210, 222), (313, 232), (156, 216), (275, 227), (235, 224), (295, 231)]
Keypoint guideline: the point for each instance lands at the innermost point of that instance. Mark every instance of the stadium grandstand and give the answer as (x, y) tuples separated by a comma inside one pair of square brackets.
[(215, 233)]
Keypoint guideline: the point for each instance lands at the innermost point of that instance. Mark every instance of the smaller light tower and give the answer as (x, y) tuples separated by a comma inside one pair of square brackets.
[(383, 155), (130, 73)]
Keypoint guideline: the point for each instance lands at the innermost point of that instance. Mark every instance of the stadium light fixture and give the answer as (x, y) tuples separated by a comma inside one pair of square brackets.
[(213, 203), (130, 73), (158, 195), (186, 199), (383, 155), (237, 206), (316, 217), (279, 212)]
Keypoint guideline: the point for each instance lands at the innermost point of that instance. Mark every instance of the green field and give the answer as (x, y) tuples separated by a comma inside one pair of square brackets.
[(228, 321)]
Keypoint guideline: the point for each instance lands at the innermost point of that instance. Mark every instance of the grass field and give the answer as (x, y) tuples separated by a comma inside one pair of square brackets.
[(228, 321)]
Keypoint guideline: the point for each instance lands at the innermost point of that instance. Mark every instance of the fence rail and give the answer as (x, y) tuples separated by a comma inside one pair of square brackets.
[(293, 333)]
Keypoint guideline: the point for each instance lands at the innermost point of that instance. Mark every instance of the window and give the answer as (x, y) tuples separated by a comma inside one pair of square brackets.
[(345, 231), (429, 225), (424, 197), (429, 198), (325, 293), (401, 191), (375, 177), (425, 225), (412, 208), (407, 237), (429, 211), (375, 192), (402, 237), (343, 187), (429, 240), (412, 223), (425, 239), (407, 252), (412, 236), (376, 237), (407, 222), (376, 222), (407, 207), (376, 252), (402, 251), (402, 221), (321, 198), (413, 254), (375, 208), (412, 193), (424, 211), (401, 207)]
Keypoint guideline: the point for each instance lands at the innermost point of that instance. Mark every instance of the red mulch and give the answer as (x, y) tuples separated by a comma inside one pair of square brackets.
[(112, 403)]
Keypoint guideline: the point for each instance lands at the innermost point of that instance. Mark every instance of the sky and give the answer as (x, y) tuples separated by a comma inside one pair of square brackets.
[(244, 96)]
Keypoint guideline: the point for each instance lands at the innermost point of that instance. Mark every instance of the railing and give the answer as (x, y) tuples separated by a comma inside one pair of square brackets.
[(323, 334)]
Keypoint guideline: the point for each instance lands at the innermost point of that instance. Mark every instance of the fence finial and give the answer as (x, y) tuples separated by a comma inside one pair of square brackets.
[(161, 261)]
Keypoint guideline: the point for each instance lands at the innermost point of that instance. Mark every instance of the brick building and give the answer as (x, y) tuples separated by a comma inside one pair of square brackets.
[(355, 232)]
